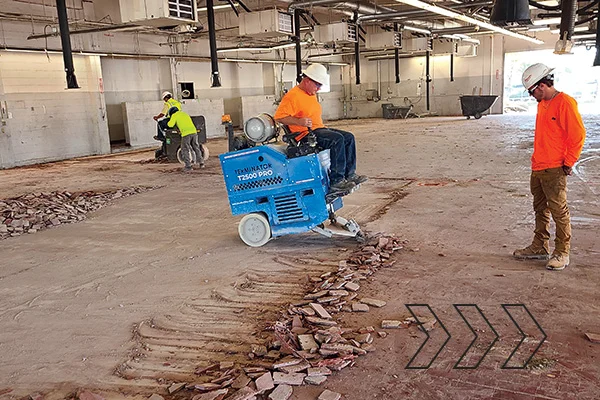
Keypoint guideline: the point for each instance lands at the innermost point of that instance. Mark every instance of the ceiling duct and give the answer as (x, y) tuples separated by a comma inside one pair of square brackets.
[(510, 12)]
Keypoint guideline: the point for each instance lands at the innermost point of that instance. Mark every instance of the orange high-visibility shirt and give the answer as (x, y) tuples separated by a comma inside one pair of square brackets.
[(299, 104), (559, 133)]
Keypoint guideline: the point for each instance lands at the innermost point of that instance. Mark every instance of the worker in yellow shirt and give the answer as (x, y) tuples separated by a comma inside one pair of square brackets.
[(189, 137), (170, 102), (557, 144)]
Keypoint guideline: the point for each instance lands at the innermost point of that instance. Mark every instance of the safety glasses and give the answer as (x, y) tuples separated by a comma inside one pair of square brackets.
[(533, 89), (317, 84)]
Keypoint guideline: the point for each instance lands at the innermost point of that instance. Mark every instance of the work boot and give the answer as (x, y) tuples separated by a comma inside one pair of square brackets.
[(188, 170), (199, 165), (358, 179), (342, 186), (557, 262), (531, 252)]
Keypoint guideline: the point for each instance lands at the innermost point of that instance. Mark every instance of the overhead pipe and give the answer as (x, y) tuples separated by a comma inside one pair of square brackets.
[(567, 27), (212, 39), (360, 7), (298, 48), (65, 39), (543, 6), (357, 52)]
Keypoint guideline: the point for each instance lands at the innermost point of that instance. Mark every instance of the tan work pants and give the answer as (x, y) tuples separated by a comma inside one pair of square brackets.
[(549, 190)]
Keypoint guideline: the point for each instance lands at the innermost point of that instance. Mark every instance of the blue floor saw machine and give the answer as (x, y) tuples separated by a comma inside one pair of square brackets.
[(280, 188)]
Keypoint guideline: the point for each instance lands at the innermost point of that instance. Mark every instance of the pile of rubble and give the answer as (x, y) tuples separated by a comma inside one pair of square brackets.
[(37, 211), (306, 344)]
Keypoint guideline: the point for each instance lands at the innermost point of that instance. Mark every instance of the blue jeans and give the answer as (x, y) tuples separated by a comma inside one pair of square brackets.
[(342, 148), (162, 127)]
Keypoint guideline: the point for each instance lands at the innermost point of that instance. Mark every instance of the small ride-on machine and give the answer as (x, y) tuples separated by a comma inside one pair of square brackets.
[(170, 148), (281, 188)]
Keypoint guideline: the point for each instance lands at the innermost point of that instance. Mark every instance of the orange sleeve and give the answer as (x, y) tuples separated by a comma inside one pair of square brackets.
[(575, 130), (286, 107)]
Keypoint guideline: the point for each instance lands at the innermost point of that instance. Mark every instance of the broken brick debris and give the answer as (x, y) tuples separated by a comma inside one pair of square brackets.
[(329, 395), (34, 212), (306, 344), (281, 392), (593, 337)]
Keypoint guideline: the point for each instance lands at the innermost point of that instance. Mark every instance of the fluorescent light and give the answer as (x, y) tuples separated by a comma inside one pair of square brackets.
[(281, 46), (465, 18), (243, 60), (201, 9), (415, 29), (583, 36), (547, 21), (576, 29)]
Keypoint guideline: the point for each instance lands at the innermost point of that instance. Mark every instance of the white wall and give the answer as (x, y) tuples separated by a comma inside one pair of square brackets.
[(45, 121)]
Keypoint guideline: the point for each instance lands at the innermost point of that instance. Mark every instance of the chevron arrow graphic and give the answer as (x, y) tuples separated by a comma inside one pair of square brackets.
[(420, 323), (523, 336), (457, 307)]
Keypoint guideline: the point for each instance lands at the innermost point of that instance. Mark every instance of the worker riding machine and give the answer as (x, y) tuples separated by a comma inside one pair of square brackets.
[(281, 188)]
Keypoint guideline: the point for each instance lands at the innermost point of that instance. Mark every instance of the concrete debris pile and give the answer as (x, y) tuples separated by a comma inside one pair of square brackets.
[(306, 344), (37, 211)]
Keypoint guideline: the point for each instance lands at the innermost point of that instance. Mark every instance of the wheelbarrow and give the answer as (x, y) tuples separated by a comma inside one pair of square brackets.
[(475, 106)]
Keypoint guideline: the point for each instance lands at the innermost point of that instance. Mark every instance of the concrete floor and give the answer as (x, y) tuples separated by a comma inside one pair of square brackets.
[(156, 284)]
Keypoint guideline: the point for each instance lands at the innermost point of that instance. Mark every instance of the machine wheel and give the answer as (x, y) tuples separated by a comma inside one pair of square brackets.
[(203, 148), (205, 152), (254, 230), (477, 115)]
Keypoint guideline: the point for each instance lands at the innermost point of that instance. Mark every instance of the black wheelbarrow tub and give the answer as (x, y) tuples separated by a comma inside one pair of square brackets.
[(475, 106)]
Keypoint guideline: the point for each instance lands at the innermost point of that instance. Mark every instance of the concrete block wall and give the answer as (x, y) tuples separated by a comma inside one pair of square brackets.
[(43, 120), (254, 105), (140, 127)]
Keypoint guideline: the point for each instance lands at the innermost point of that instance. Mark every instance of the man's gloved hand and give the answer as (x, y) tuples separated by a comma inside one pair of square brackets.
[(568, 170), (155, 118)]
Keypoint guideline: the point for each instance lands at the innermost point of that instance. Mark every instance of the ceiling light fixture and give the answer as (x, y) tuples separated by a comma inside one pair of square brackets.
[(575, 29), (547, 21), (221, 7), (277, 47), (465, 18)]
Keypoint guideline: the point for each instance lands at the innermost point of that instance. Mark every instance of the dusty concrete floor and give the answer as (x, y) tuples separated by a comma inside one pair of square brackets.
[(156, 284)]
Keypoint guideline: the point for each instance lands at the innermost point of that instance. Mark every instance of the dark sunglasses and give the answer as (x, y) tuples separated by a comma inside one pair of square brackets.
[(317, 84), (533, 89)]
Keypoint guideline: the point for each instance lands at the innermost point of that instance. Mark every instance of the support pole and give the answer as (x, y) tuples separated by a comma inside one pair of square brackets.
[(297, 12), (357, 52), (65, 39), (397, 56), (452, 67), (427, 78)]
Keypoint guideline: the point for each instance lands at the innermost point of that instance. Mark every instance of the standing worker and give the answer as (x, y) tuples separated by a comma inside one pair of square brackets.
[(300, 110), (558, 141), (189, 137), (170, 102)]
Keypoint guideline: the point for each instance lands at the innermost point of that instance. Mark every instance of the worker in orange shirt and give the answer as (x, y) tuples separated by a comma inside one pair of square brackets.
[(558, 141), (300, 110)]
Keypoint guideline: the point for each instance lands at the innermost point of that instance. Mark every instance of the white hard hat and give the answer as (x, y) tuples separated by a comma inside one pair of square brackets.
[(535, 73), (317, 72), (165, 94)]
